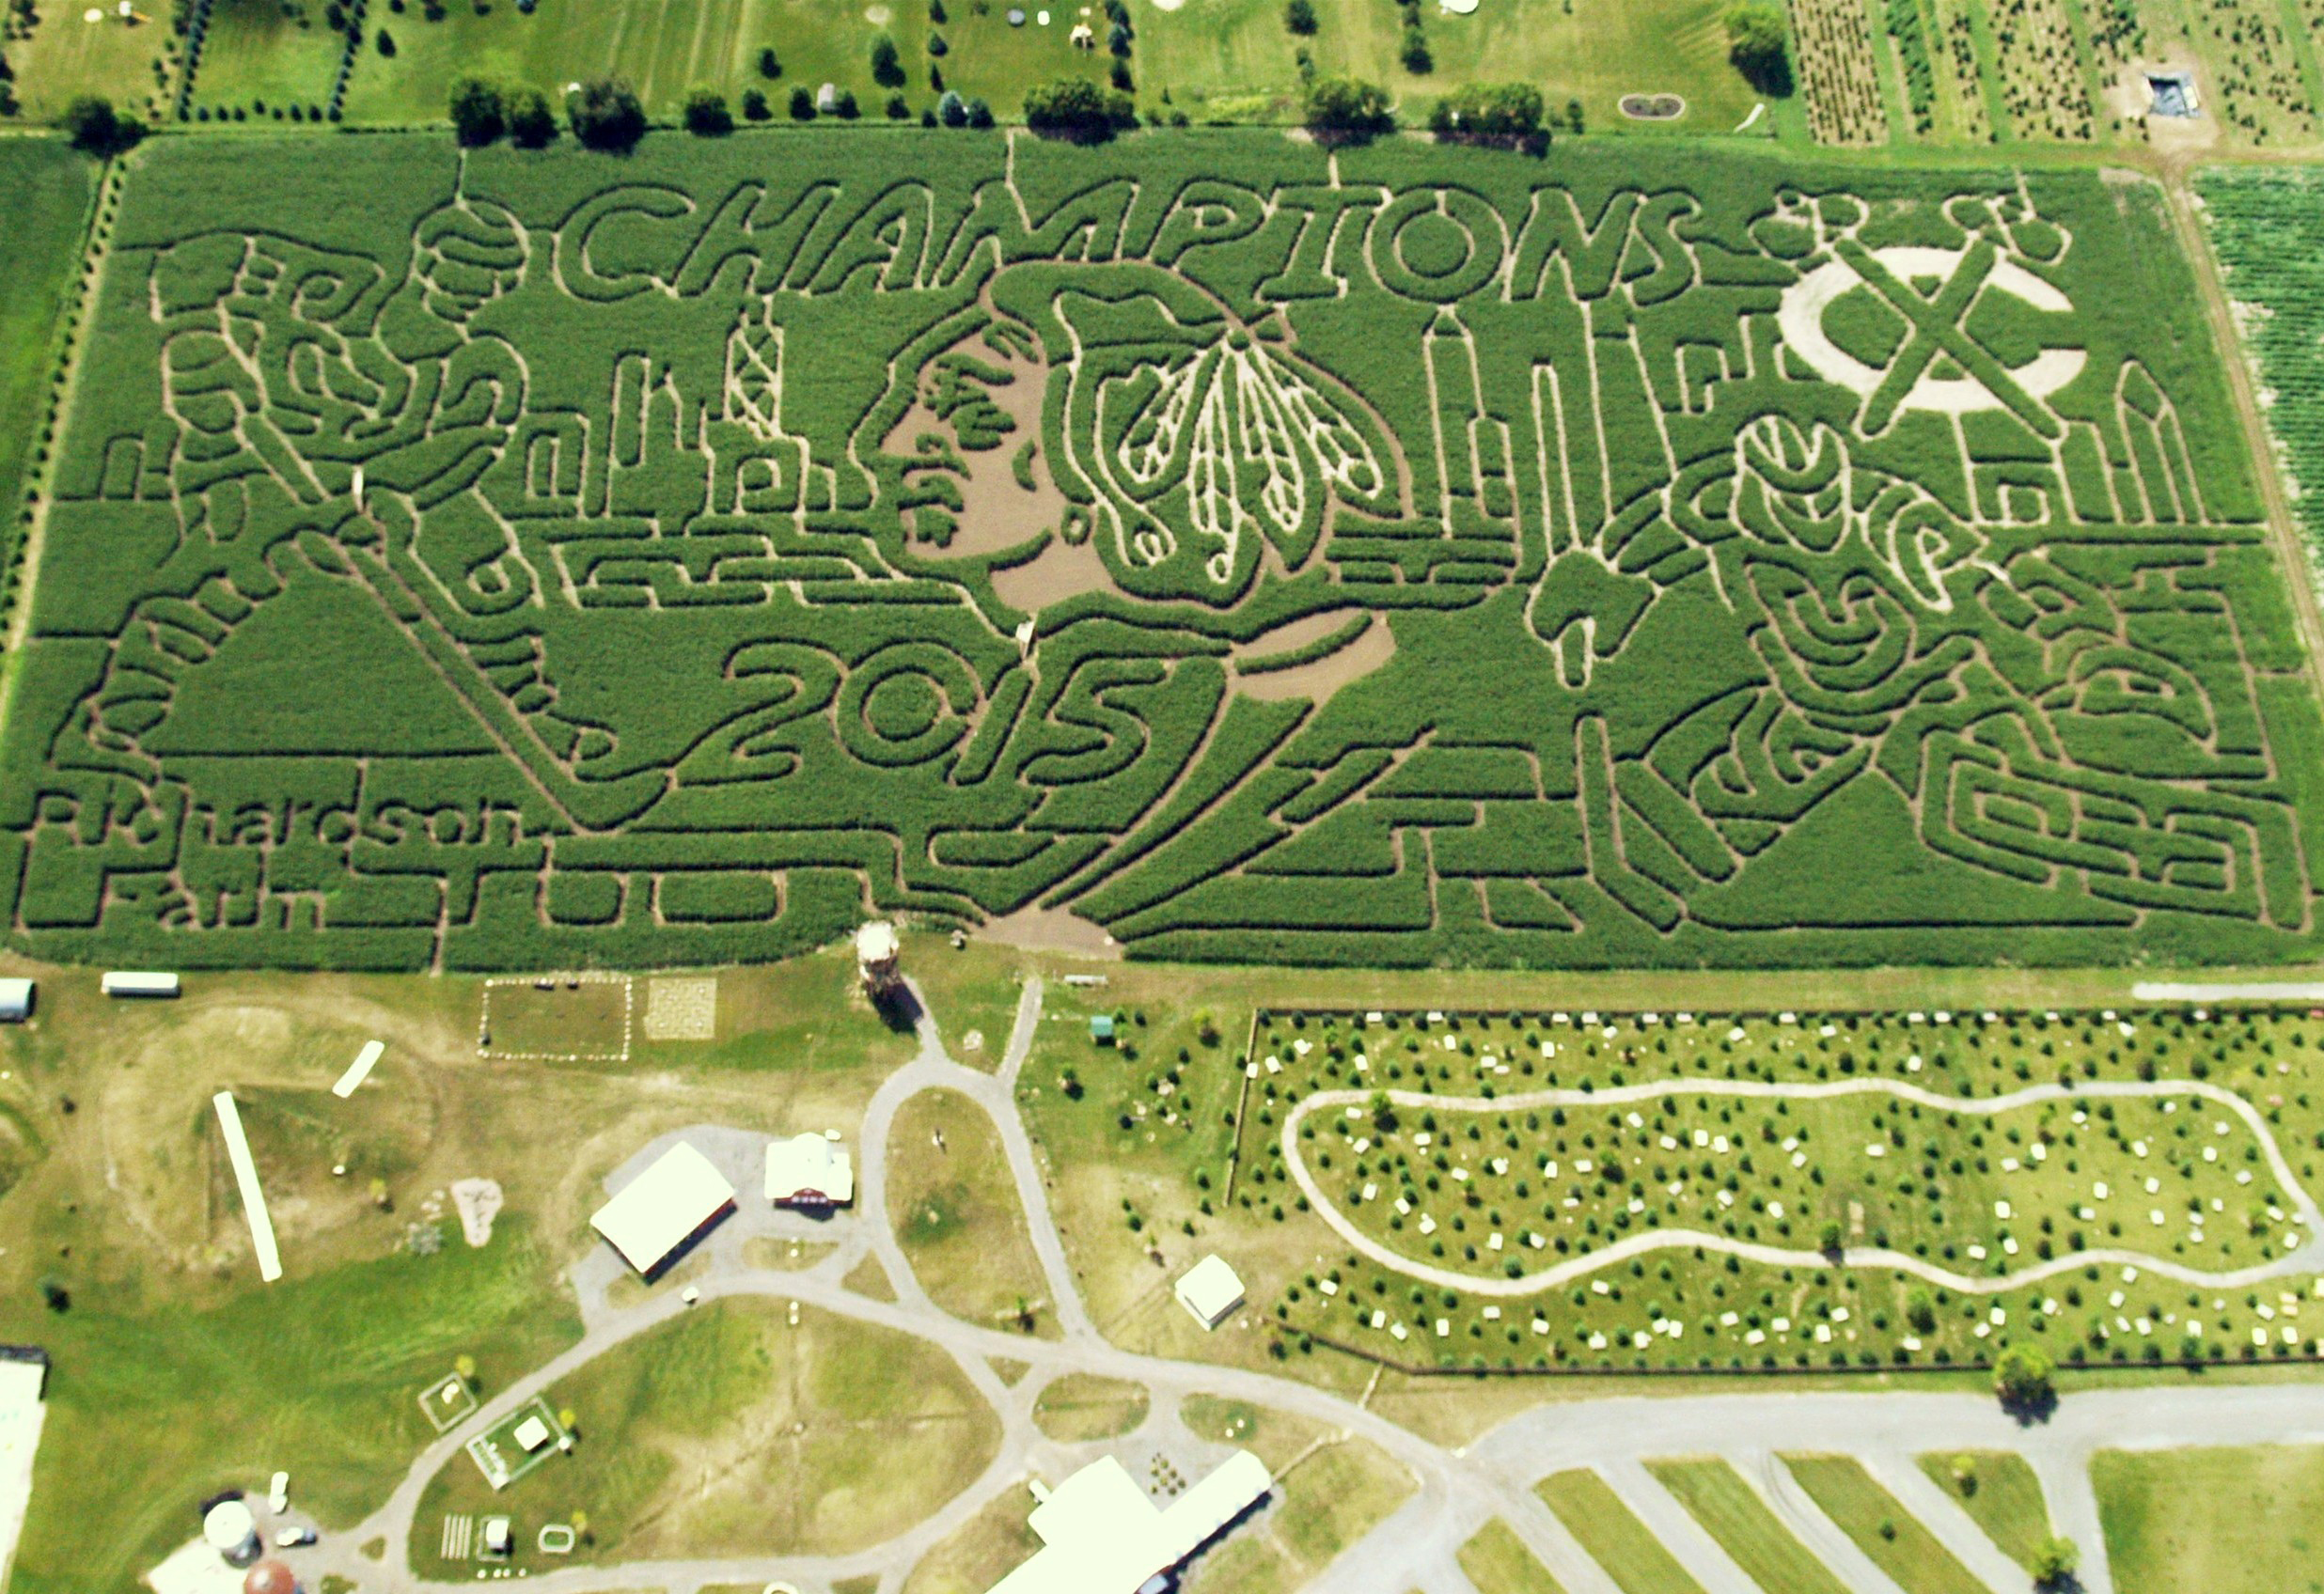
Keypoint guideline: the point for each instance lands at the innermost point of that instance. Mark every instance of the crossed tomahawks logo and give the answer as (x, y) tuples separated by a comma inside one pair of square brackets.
[(1937, 364)]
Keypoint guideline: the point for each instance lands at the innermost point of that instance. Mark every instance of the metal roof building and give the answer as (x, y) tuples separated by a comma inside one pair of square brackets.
[(678, 1196), (808, 1170), (1210, 1290), (15, 1000), (1101, 1535)]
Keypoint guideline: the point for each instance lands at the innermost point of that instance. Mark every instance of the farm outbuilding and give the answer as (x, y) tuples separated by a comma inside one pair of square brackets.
[(24, 1378), (1100, 1534), (809, 1171), (1210, 1290), (137, 982), (15, 1000), (678, 1196)]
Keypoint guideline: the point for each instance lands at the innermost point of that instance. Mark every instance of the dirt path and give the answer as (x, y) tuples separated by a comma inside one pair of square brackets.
[(2299, 576)]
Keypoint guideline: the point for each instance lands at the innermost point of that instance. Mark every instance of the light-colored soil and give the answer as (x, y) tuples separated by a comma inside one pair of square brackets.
[(1062, 570), (1050, 930), (1319, 681)]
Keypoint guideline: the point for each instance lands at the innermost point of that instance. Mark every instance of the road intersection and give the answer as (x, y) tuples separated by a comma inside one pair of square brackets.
[(1455, 1492)]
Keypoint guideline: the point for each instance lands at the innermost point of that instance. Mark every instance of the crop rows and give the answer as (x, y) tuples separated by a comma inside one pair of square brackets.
[(1839, 72), (2268, 229), (2042, 86), (1426, 554), (1961, 54), (2256, 67)]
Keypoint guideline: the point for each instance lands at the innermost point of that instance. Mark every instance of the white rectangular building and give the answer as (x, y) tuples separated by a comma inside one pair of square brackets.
[(137, 982), (679, 1196), (1210, 1290), (1101, 1535), (15, 1000)]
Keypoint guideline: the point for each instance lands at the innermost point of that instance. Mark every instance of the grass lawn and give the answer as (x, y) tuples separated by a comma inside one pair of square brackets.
[(67, 55), (1730, 1511), (956, 1216), (730, 1432), (278, 51), (1083, 1406), (48, 186), (1497, 1562), (666, 47), (1884, 1530), (2223, 1521), (583, 1019), (173, 1360), (1999, 1490), (183, 1403), (980, 1552), (1235, 58), (1616, 1539), (1327, 1501)]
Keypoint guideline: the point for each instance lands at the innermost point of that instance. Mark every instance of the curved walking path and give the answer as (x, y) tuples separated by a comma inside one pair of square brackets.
[(1457, 1490), (2308, 1256)]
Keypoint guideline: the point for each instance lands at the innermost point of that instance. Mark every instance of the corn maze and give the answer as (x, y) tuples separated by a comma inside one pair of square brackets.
[(1398, 556)]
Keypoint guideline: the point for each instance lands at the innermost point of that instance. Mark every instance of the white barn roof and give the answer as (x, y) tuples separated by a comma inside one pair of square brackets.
[(664, 1207), (21, 1416), (1210, 1290), (810, 1170), (1101, 1535), (15, 1000)]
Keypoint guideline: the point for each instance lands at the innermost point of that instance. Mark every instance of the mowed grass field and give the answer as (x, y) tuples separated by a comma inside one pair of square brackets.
[(1612, 1535), (1882, 1528), (1497, 1561), (125, 61), (956, 1214), (2227, 1520), (274, 53), (1214, 58), (48, 186), (667, 47), (1715, 1495), (734, 1431), (1234, 59), (1998, 1490)]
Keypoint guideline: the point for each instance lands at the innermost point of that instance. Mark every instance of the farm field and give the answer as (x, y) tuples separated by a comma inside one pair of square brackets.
[(1791, 689), (62, 54), (2231, 1520), (668, 47), (265, 58), (51, 188), (1233, 59), (2264, 226)]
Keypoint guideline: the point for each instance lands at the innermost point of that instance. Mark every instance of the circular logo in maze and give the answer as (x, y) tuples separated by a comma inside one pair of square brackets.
[(1953, 330)]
